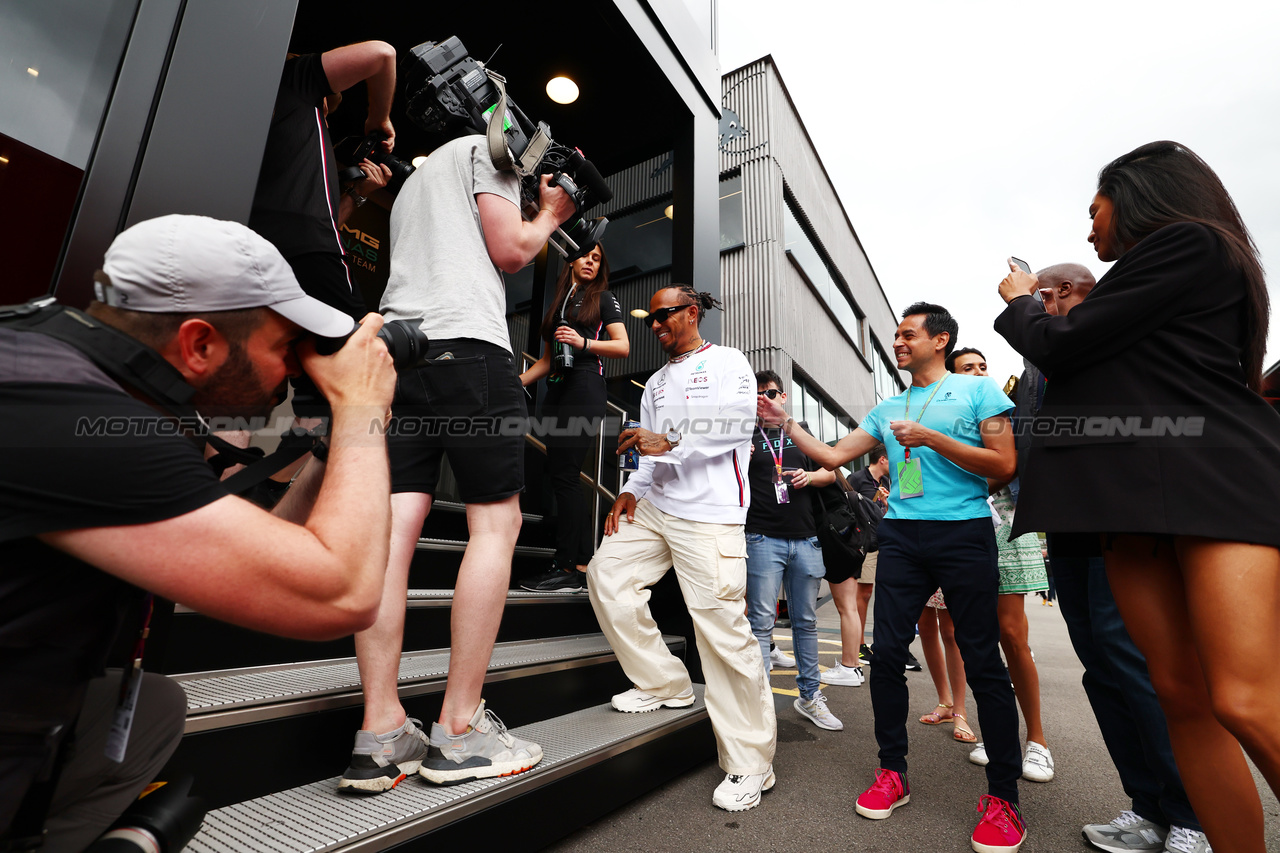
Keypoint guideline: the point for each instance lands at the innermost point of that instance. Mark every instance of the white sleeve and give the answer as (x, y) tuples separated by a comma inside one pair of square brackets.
[(733, 420)]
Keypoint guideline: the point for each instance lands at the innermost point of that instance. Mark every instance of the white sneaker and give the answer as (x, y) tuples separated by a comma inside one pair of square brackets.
[(979, 755), (781, 659), (1183, 840), (739, 793), (1038, 765), (842, 676), (636, 701), (817, 712)]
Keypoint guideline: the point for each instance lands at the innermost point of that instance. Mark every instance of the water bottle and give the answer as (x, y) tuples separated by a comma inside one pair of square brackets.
[(563, 353), (630, 459)]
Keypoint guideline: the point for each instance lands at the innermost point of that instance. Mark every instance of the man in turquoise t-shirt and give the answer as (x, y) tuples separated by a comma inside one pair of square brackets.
[(945, 435)]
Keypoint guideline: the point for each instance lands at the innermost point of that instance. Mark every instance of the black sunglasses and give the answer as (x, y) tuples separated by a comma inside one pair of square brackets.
[(771, 393), (660, 315)]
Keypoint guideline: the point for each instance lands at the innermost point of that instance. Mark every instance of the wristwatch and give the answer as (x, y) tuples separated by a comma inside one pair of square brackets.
[(673, 438), (355, 196)]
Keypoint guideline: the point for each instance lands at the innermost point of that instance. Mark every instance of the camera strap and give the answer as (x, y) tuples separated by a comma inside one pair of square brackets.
[(132, 363), (499, 153)]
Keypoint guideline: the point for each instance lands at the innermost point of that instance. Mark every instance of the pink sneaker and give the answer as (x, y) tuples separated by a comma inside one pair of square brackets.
[(889, 791), (1001, 829)]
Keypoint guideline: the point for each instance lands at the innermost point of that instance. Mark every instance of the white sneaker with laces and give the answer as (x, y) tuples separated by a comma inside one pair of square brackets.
[(781, 659), (842, 676), (979, 755), (636, 701), (1183, 840), (739, 793), (1038, 765)]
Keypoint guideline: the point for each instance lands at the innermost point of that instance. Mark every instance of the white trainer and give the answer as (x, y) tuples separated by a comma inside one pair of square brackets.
[(1038, 765), (636, 701), (781, 659), (739, 793), (843, 676), (817, 712), (979, 755)]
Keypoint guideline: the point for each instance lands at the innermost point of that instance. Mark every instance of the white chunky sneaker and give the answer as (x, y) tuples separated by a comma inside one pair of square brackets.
[(979, 755), (1128, 833), (636, 701), (1038, 765), (739, 793), (781, 659)]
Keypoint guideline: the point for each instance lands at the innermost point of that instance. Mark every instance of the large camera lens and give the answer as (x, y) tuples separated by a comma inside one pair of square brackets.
[(405, 340)]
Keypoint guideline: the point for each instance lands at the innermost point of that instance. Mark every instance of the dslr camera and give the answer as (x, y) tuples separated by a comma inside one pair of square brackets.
[(353, 149), (448, 91)]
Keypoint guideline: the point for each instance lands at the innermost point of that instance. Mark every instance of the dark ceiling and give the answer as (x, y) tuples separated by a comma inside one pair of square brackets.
[(626, 108)]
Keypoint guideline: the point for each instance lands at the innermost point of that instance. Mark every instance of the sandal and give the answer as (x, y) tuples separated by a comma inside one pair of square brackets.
[(933, 718), (963, 733)]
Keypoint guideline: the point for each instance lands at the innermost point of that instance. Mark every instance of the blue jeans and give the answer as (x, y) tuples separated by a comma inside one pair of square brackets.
[(1120, 692), (798, 563)]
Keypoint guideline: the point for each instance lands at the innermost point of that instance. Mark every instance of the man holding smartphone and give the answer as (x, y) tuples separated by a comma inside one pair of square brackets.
[(944, 436)]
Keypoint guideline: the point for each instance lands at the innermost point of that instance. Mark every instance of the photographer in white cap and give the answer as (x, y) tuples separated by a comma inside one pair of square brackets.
[(105, 498)]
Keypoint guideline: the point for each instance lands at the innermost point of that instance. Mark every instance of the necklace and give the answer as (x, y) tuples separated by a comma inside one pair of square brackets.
[(682, 356)]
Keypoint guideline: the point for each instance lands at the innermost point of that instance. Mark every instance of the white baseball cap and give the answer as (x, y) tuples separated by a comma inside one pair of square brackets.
[(180, 263)]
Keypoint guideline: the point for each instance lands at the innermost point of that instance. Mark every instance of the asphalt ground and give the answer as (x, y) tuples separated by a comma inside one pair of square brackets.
[(820, 774)]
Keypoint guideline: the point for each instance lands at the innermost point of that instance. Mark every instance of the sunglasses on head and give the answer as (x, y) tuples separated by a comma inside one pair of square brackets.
[(771, 393), (661, 314)]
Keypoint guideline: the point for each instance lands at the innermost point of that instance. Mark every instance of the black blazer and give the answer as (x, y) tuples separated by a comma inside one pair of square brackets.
[(1147, 424)]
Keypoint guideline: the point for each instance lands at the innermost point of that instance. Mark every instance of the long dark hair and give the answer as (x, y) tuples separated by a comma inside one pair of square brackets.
[(1161, 183), (589, 312)]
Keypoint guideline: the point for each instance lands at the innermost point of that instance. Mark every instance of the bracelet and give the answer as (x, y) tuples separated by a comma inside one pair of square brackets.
[(356, 197), (786, 426), (586, 344)]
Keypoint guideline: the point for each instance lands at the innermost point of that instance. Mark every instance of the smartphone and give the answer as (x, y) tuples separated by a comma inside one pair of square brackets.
[(1021, 263)]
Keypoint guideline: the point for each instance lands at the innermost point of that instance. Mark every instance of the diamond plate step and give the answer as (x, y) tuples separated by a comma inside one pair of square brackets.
[(224, 698), (459, 507), (315, 817), (460, 545), (418, 598)]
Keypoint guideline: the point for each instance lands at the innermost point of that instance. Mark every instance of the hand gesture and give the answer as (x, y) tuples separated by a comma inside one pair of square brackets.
[(648, 443), (799, 478), (1017, 283), (625, 504), (770, 411)]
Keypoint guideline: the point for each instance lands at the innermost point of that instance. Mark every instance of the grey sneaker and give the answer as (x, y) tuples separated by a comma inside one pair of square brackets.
[(1126, 834), (816, 711), (380, 762), (1183, 840), (486, 749)]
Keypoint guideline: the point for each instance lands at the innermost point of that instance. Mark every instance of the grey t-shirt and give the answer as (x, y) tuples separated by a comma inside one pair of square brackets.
[(440, 267)]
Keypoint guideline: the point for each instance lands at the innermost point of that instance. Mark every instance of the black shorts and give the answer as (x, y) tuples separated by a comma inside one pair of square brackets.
[(469, 406)]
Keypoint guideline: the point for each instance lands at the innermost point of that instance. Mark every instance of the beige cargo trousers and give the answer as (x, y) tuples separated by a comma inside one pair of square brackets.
[(710, 562)]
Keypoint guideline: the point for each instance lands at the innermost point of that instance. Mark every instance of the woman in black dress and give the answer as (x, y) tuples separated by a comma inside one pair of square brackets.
[(585, 316), (1154, 440)]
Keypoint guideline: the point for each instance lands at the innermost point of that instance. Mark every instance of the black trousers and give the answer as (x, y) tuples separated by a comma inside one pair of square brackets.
[(572, 414), (917, 557)]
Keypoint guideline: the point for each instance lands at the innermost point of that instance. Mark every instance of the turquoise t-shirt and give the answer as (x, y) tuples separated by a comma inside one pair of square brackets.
[(959, 406)]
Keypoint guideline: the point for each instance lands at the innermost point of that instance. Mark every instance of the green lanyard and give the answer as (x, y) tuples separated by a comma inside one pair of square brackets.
[(907, 415)]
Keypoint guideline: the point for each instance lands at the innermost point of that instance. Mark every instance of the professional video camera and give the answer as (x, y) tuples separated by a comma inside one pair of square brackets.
[(353, 149), (448, 90)]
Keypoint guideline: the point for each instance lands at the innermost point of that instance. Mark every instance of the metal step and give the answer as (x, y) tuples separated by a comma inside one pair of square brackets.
[(426, 544), (317, 817), (418, 598), (223, 698)]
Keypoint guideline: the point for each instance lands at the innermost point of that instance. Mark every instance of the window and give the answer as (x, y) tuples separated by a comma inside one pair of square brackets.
[(804, 251), (732, 230), (887, 381), (826, 421)]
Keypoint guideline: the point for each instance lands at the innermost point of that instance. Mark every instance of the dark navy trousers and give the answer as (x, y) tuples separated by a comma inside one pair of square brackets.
[(1119, 690), (917, 557)]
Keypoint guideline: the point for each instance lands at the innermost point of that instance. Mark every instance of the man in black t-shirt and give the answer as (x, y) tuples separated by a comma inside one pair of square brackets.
[(106, 497), (782, 547), (296, 204)]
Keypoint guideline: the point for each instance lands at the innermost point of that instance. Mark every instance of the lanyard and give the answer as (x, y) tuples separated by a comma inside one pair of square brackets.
[(907, 416), (777, 457)]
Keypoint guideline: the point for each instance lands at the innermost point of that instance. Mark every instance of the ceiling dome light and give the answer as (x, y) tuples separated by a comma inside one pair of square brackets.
[(419, 160), (668, 211), (639, 313), (562, 90)]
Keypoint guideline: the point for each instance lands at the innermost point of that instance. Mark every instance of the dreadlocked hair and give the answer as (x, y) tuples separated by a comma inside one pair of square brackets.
[(704, 300)]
